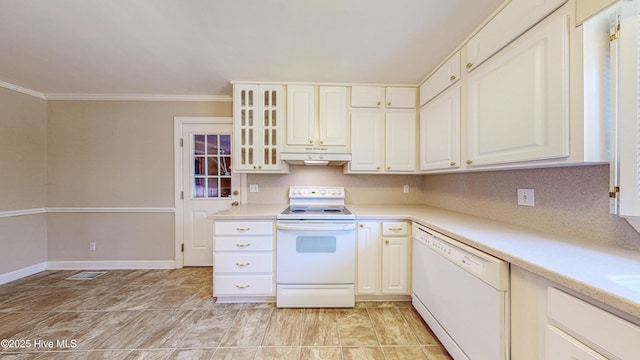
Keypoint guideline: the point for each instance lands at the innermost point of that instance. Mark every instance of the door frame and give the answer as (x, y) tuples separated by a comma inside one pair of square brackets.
[(178, 124)]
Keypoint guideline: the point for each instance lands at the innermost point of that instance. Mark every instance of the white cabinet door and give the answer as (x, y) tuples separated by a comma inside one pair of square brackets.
[(507, 25), (367, 96), (517, 104), (400, 140), (400, 98), (447, 75), (333, 120), (300, 114), (367, 140), (440, 132), (394, 265), (258, 126), (368, 276)]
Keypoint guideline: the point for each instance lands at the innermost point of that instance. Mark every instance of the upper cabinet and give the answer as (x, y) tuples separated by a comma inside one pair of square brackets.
[(535, 98), (258, 126), (317, 118), (447, 75), (383, 130), (512, 21), (518, 102), (381, 97)]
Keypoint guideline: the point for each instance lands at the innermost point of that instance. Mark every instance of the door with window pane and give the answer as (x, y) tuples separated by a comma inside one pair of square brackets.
[(209, 186)]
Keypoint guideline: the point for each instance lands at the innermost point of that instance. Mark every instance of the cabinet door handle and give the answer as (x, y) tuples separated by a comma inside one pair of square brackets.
[(243, 245), (453, 77), (386, 242), (243, 229), (469, 162), (378, 103), (310, 141), (388, 167), (389, 103), (243, 286), (361, 225), (452, 163), (469, 65), (243, 265)]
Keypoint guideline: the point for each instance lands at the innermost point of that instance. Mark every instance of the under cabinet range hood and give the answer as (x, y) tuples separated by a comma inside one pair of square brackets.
[(318, 159)]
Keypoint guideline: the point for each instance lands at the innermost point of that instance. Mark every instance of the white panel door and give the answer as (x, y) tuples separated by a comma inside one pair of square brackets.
[(333, 120), (367, 140), (400, 140), (208, 184), (300, 115), (517, 103), (368, 280), (440, 132), (395, 268)]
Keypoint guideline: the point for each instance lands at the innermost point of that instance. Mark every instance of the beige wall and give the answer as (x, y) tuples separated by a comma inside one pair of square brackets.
[(360, 189), (23, 146), (114, 154), (569, 201), (23, 180)]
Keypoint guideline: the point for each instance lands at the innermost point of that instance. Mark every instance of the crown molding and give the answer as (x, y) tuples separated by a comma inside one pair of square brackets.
[(22, 90), (138, 97), (115, 97)]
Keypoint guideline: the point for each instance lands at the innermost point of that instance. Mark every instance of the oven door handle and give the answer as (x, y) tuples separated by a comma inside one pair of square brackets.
[(315, 227)]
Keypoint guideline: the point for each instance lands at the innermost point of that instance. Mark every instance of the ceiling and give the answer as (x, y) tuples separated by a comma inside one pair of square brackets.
[(195, 47)]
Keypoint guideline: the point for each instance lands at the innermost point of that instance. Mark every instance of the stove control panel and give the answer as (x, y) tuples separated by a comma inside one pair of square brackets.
[(317, 192)]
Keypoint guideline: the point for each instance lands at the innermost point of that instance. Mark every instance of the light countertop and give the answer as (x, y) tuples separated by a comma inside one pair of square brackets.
[(608, 274)]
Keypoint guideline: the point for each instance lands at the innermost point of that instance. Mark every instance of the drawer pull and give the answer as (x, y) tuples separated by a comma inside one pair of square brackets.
[(395, 229), (243, 265), (243, 229), (242, 286), (243, 245), (386, 242)]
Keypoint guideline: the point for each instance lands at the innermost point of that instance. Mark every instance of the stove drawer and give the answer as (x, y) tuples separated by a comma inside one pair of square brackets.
[(243, 263), (242, 244), (244, 228), (238, 285)]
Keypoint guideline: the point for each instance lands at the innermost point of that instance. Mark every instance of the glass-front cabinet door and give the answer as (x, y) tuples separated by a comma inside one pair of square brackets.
[(258, 126)]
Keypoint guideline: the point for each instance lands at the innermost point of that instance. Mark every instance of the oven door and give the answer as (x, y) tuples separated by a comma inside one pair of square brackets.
[(315, 252)]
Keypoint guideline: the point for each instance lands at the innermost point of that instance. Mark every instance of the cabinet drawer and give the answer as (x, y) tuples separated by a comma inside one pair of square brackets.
[(561, 346), (243, 285), (394, 228), (577, 317), (447, 75), (243, 227), (243, 263), (241, 243)]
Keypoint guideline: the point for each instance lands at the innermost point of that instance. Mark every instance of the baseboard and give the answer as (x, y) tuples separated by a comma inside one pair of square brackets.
[(111, 265), (24, 272)]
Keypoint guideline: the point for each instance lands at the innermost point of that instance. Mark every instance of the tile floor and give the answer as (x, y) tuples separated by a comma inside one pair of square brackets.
[(171, 314)]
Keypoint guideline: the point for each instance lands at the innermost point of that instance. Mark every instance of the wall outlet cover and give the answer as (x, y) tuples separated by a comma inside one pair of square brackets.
[(526, 197)]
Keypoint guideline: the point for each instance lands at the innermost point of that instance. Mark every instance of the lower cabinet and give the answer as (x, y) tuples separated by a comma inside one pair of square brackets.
[(243, 259), (383, 258), (549, 322)]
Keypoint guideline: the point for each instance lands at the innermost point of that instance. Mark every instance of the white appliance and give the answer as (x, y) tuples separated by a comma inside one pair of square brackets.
[(462, 294), (316, 249)]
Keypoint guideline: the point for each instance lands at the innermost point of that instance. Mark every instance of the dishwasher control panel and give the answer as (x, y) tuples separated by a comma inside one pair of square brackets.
[(455, 255)]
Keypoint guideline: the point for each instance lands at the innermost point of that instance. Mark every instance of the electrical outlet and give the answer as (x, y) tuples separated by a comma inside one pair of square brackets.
[(92, 246), (526, 197), (405, 189), (253, 187)]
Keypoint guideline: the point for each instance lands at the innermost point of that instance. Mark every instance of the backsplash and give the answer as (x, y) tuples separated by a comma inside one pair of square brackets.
[(570, 201), (360, 189)]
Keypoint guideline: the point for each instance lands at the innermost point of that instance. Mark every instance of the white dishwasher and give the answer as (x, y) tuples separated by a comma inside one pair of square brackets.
[(462, 294)]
